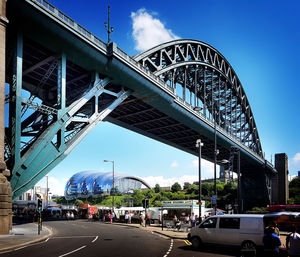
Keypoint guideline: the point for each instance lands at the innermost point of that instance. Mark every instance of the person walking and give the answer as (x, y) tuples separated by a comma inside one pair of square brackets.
[(193, 220), (271, 243), (293, 243)]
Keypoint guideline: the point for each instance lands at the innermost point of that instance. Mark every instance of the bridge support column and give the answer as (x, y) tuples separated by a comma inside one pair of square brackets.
[(279, 185), (254, 190), (5, 188)]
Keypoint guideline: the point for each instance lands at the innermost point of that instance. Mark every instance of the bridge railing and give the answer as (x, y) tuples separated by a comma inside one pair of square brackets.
[(69, 22)]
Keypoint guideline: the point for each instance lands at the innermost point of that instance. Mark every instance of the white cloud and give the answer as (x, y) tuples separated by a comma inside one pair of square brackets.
[(207, 168), (294, 164), (174, 164), (56, 186), (149, 31), (296, 158)]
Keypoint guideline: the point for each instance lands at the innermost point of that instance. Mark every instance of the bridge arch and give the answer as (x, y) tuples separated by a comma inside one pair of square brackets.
[(201, 76)]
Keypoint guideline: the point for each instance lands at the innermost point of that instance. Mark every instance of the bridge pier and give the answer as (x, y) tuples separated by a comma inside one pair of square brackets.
[(5, 188), (279, 185), (254, 190)]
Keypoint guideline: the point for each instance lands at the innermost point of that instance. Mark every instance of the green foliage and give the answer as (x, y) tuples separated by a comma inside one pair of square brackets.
[(175, 187), (78, 202), (294, 191), (192, 189), (157, 188), (186, 185)]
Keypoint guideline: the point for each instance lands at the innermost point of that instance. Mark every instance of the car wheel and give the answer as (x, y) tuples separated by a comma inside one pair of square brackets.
[(196, 242), (248, 248)]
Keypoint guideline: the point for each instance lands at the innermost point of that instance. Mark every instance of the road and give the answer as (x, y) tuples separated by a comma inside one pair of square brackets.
[(83, 238)]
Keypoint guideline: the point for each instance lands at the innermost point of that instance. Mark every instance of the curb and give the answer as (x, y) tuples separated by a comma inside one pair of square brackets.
[(29, 242), (169, 236)]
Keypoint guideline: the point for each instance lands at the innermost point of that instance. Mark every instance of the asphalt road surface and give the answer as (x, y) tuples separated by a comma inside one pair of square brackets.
[(83, 238)]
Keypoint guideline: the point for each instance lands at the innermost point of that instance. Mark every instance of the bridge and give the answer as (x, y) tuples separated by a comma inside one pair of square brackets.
[(63, 81)]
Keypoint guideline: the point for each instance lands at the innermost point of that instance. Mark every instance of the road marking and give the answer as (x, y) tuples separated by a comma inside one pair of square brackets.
[(46, 240), (73, 251), (170, 249), (66, 237), (95, 239), (187, 242)]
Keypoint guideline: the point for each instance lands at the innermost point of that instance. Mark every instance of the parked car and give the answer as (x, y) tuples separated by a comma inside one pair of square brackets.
[(244, 230)]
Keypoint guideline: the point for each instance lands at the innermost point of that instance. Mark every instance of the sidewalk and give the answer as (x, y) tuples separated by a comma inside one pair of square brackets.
[(22, 235), (174, 234)]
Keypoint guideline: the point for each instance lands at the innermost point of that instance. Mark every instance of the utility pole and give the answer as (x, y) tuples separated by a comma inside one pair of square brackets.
[(108, 29)]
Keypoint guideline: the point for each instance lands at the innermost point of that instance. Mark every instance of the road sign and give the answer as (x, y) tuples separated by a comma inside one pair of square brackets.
[(214, 199), (199, 203)]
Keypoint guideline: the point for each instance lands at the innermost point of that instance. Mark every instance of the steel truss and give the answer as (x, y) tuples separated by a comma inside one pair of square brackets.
[(46, 130), (202, 77)]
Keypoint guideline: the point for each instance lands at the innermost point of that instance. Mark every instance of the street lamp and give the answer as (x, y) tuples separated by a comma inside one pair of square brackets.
[(113, 183), (216, 152), (199, 145), (108, 29), (236, 152)]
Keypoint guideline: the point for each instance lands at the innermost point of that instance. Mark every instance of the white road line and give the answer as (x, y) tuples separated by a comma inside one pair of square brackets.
[(95, 239), (46, 240), (65, 237), (170, 249), (73, 251)]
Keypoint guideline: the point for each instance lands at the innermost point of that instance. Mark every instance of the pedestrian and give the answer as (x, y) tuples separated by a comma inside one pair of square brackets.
[(148, 218), (187, 219), (193, 220), (293, 243), (126, 217), (142, 219), (177, 224), (271, 242)]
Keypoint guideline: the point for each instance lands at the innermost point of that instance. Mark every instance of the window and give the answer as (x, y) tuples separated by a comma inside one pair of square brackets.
[(210, 223), (231, 223)]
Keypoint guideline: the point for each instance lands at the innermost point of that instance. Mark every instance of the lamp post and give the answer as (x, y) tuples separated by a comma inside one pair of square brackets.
[(108, 29), (216, 152), (113, 183), (236, 152), (199, 145)]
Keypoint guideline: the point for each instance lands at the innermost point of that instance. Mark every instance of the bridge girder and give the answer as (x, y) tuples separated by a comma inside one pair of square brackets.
[(201, 76)]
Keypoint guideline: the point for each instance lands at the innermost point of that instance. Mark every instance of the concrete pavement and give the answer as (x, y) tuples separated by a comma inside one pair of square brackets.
[(22, 235), (27, 233), (174, 234)]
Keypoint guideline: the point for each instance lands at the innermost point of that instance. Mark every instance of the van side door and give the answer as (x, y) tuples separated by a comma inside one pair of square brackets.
[(229, 228), (207, 230)]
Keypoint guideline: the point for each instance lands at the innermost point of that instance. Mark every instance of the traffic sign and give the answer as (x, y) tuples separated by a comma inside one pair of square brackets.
[(199, 203), (214, 199)]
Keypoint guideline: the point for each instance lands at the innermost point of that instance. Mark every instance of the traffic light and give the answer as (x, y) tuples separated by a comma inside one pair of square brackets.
[(146, 203), (40, 205)]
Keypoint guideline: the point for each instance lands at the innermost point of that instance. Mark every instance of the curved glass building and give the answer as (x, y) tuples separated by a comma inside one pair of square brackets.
[(94, 184)]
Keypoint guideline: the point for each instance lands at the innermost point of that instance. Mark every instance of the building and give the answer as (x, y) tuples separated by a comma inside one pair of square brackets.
[(34, 193), (86, 184)]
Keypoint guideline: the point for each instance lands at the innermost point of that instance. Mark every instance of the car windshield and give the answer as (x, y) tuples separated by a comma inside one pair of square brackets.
[(209, 223)]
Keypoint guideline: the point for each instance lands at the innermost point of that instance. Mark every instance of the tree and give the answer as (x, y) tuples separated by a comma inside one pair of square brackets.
[(294, 191), (186, 185), (176, 187), (192, 189), (157, 188)]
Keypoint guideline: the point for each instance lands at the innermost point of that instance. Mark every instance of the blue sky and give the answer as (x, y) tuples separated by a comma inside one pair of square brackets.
[(259, 38)]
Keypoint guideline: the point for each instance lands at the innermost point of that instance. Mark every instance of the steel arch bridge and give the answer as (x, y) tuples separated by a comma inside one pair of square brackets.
[(64, 81), (202, 77)]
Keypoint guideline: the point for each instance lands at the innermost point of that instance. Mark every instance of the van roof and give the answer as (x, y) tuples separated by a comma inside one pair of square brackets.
[(239, 216)]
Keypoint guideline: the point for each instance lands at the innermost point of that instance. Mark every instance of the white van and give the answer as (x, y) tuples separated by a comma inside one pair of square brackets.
[(245, 230)]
